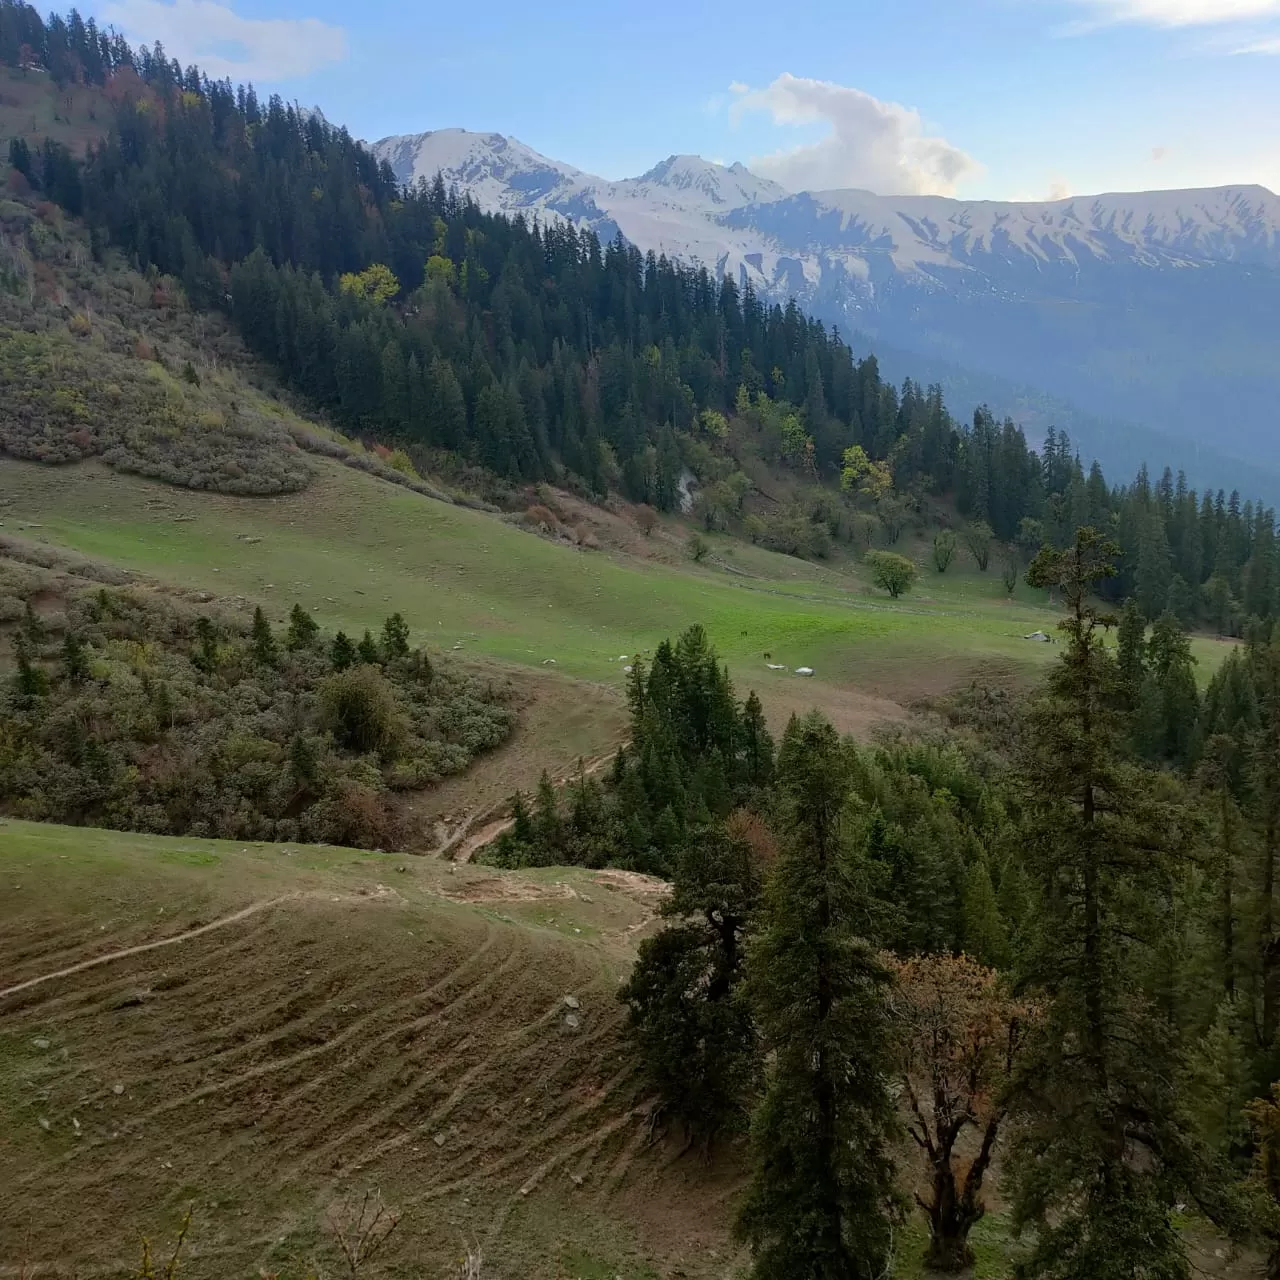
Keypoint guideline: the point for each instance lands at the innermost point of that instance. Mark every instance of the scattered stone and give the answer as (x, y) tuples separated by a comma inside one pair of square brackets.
[(438, 1139), (117, 1089), (44, 1124), (573, 1002), (40, 1042), (572, 1021)]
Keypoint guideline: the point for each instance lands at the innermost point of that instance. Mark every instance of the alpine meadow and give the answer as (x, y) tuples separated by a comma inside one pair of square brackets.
[(528, 756)]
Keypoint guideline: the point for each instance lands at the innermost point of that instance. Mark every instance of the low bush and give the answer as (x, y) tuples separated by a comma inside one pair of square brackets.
[(145, 713)]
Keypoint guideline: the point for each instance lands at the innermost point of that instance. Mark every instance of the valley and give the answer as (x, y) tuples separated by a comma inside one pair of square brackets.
[(521, 757)]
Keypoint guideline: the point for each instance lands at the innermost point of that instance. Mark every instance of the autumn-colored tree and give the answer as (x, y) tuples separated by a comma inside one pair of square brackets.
[(1264, 1116), (944, 550), (376, 284), (960, 1033), (859, 474)]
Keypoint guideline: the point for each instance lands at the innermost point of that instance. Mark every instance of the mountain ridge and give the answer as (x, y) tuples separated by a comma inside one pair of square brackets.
[(1158, 308)]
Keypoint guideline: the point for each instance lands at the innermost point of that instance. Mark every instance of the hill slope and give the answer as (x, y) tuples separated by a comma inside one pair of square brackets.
[(296, 1024)]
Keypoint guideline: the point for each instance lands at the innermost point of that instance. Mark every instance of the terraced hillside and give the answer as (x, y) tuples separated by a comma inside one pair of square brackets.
[(265, 1031)]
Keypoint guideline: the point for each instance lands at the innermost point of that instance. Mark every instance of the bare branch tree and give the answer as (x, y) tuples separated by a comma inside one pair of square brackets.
[(361, 1233)]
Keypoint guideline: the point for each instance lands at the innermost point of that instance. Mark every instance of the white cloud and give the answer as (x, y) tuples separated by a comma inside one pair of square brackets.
[(1271, 46), (876, 145), (222, 43), (1179, 13)]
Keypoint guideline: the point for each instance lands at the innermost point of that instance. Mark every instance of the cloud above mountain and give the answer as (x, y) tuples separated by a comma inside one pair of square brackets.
[(222, 43), (1180, 13), (1235, 26), (875, 145)]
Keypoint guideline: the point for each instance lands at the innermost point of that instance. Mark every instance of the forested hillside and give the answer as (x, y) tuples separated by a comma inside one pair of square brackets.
[(536, 352), (1024, 938)]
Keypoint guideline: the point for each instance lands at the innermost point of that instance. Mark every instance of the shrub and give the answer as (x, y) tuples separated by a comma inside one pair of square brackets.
[(540, 517), (358, 708), (978, 537), (698, 547), (944, 550), (135, 712), (893, 572)]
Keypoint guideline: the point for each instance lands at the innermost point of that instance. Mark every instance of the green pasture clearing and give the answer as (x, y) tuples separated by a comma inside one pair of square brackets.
[(353, 549)]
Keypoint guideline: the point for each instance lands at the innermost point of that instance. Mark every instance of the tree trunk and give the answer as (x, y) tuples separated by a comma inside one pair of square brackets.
[(1228, 901), (1270, 951), (949, 1252), (950, 1220)]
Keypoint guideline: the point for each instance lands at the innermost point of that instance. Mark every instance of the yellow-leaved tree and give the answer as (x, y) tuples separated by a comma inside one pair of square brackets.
[(376, 283)]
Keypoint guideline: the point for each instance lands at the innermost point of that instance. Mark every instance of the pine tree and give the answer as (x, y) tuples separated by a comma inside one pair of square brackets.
[(303, 630), (820, 1204), (342, 653), (1265, 753), (1131, 637), (367, 649), (263, 642), (30, 680), (206, 655), (1215, 778), (75, 663), (547, 824), (395, 637), (1102, 1153), (1171, 668), (756, 743), (986, 937), (304, 763), (693, 1033)]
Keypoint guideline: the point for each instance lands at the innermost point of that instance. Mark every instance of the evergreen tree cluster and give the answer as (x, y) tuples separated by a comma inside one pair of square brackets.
[(1085, 923), (695, 755)]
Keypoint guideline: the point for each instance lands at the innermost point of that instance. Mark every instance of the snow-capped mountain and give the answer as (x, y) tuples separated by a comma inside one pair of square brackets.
[(1161, 308)]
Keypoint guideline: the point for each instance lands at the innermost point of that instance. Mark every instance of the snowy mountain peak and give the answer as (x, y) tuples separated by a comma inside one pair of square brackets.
[(488, 165), (728, 187)]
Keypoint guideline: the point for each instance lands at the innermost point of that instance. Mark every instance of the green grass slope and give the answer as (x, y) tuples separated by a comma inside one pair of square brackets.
[(351, 547)]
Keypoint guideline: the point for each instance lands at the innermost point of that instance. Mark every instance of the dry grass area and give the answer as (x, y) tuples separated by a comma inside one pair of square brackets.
[(561, 721), (333, 1021), (32, 107)]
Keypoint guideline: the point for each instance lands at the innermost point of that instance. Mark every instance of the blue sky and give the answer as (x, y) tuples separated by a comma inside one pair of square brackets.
[(999, 99)]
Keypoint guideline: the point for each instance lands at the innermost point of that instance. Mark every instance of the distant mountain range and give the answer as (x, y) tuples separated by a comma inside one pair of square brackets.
[(1147, 324)]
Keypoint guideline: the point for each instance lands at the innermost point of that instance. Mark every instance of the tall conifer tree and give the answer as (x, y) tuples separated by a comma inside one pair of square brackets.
[(821, 1201)]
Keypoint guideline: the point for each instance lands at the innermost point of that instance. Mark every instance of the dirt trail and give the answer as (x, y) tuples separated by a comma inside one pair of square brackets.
[(464, 849), (243, 914)]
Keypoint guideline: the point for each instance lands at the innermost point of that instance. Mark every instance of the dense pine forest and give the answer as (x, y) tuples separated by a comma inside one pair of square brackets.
[(537, 353)]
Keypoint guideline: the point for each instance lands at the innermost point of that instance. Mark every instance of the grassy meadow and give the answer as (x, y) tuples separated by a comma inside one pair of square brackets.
[(352, 549)]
